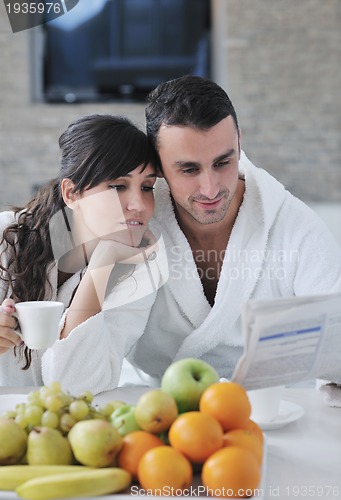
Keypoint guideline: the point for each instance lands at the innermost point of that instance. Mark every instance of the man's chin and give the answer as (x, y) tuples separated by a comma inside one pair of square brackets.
[(209, 218)]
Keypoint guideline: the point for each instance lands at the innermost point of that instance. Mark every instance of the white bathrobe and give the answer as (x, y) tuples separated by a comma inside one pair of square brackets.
[(278, 248), (90, 358)]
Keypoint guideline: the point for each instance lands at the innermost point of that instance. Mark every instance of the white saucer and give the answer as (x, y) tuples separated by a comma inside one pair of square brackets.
[(288, 412), (9, 401)]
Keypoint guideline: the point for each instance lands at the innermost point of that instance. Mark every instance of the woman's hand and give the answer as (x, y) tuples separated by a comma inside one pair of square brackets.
[(89, 297), (110, 252), (8, 337)]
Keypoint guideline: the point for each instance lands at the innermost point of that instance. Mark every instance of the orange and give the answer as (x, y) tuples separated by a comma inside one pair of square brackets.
[(245, 439), (252, 426), (228, 403), (134, 446), (197, 435), (164, 471), (232, 472)]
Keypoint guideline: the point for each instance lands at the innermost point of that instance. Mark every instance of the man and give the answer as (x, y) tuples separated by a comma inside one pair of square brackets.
[(232, 232)]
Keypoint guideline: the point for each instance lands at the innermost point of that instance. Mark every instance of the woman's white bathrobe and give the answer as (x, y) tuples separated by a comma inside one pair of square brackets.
[(90, 358), (278, 248)]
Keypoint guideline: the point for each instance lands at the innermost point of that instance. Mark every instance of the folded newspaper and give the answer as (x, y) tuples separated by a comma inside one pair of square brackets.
[(290, 340)]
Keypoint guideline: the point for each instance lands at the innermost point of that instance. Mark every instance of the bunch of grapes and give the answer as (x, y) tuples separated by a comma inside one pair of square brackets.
[(51, 407)]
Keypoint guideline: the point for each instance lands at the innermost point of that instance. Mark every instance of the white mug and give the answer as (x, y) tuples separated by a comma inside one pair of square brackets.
[(265, 403), (39, 321)]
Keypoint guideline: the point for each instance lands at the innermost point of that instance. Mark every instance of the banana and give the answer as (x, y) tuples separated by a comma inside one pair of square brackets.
[(77, 484), (12, 476)]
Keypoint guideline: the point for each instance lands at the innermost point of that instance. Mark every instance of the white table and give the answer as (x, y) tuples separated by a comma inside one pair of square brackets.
[(303, 458)]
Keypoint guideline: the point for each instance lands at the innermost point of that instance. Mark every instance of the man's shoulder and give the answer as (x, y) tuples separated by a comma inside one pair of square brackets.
[(252, 173), (281, 211), (270, 188)]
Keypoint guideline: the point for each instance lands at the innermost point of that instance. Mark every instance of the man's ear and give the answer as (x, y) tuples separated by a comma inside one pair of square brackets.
[(239, 141), (70, 198)]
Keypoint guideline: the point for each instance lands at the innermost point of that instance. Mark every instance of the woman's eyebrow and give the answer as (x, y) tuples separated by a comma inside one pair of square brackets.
[(129, 175)]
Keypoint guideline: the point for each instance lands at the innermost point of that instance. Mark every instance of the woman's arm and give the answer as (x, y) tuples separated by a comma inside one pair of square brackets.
[(91, 357), (90, 294)]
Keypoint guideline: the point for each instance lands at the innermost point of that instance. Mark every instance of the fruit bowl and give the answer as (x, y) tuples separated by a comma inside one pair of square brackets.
[(7, 401), (217, 432)]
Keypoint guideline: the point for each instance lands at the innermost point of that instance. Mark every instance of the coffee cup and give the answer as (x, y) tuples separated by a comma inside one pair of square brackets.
[(265, 403), (38, 322)]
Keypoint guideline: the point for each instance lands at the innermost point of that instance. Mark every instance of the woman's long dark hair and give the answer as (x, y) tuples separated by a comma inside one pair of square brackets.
[(94, 148)]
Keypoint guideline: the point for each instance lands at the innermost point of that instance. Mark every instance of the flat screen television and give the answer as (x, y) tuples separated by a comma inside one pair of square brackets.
[(105, 49)]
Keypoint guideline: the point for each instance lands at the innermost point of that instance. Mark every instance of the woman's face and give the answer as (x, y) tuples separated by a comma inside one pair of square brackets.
[(117, 210)]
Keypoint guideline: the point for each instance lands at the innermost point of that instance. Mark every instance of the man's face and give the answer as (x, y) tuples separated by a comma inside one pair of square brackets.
[(201, 168)]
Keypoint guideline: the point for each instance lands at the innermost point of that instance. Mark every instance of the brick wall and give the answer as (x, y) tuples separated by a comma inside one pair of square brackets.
[(282, 62), (29, 131)]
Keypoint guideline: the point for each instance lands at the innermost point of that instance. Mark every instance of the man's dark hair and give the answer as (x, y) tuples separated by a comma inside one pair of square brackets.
[(187, 101)]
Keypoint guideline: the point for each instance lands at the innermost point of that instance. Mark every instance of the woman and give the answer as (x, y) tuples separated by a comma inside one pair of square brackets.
[(83, 240)]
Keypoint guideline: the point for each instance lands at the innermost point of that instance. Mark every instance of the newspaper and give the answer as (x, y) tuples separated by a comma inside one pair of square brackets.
[(290, 340)]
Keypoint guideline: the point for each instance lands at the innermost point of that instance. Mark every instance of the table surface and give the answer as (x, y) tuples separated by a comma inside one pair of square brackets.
[(303, 458)]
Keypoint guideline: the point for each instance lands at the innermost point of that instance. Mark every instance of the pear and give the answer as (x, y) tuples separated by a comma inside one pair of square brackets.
[(95, 442), (13, 442), (155, 411), (47, 446)]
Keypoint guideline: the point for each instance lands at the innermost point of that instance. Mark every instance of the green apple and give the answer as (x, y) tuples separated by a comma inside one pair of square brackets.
[(155, 411), (186, 380), (123, 418), (110, 407)]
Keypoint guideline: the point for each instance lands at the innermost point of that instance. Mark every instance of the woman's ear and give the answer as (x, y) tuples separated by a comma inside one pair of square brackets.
[(70, 198)]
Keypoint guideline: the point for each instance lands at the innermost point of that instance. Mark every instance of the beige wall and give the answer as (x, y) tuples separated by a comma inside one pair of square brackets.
[(279, 60), (283, 60)]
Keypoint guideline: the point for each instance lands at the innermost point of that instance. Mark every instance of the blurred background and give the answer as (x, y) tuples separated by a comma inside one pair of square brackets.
[(279, 61)]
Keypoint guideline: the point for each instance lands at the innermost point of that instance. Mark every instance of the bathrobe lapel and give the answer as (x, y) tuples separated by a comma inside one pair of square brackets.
[(184, 282)]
